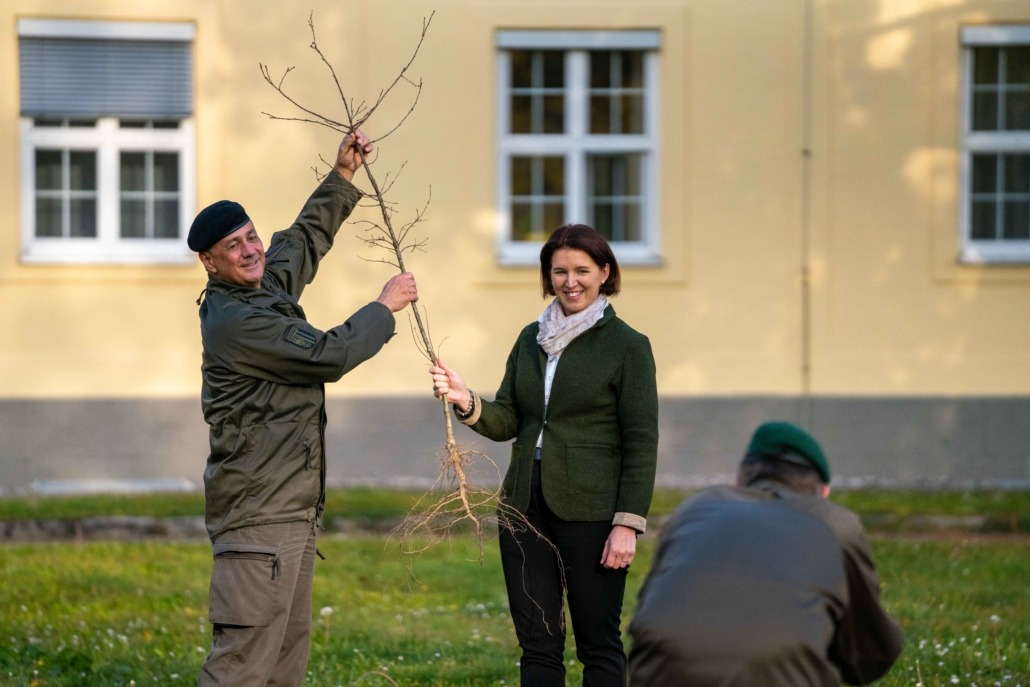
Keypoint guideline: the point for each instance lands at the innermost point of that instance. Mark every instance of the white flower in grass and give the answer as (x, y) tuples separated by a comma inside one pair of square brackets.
[(326, 611)]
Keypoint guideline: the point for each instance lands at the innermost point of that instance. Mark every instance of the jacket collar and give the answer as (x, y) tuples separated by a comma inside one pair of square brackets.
[(776, 489), (266, 296)]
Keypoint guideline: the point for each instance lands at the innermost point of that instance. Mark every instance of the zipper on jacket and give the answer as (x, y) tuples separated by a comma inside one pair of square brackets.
[(310, 459)]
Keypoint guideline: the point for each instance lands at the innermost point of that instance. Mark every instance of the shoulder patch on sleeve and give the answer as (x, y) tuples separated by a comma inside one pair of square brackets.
[(299, 337)]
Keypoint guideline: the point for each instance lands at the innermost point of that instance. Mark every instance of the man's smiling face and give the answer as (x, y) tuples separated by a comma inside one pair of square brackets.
[(238, 258)]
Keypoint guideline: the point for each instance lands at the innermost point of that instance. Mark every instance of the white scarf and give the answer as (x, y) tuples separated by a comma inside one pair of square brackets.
[(557, 330)]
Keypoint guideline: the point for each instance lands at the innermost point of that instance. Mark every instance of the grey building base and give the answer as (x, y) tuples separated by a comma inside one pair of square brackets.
[(105, 444)]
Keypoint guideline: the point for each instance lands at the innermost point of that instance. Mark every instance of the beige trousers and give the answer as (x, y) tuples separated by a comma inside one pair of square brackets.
[(260, 606)]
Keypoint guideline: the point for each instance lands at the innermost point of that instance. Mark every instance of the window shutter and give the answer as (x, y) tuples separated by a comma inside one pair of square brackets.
[(80, 77)]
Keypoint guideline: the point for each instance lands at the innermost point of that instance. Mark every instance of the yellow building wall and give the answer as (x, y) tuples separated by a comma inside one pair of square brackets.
[(871, 88), (894, 310)]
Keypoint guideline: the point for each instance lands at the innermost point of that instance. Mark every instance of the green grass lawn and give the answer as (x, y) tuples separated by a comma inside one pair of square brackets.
[(889, 510), (133, 613)]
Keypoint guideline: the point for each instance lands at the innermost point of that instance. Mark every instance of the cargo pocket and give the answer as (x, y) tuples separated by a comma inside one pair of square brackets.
[(243, 584)]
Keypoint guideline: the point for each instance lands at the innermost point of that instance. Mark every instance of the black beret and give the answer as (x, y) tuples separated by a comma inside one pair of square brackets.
[(214, 223)]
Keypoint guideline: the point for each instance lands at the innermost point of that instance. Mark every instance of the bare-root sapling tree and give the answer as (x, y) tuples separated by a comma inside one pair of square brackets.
[(455, 500)]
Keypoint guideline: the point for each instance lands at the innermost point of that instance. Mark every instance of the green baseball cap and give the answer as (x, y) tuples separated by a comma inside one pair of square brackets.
[(786, 439)]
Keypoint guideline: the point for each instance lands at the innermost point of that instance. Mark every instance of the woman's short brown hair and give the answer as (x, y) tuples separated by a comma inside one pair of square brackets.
[(589, 240)]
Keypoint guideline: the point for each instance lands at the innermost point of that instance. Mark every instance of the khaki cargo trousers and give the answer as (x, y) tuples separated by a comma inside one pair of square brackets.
[(260, 606)]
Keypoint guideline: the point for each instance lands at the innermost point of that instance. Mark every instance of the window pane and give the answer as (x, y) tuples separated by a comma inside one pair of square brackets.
[(632, 69), (554, 217), (166, 171), (538, 204), (133, 172), (553, 68), (1016, 221), (633, 223), (618, 221), (603, 80), (537, 97), (554, 114), (521, 114), (535, 176), (615, 184), (148, 123), (985, 65), (521, 221), (83, 217), (985, 110), (48, 170), (615, 175), (600, 70), (983, 221), (616, 98), (166, 219), (134, 218), (521, 69), (1017, 111), (1017, 173), (535, 222), (554, 176), (83, 168), (985, 173), (632, 114), (48, 217), (1017, 65), (521, 176), (602, 220), (600, 115)]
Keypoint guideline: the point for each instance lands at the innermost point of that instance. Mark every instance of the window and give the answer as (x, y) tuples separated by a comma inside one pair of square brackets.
[(577, 139), (996, 144), (107, 144)]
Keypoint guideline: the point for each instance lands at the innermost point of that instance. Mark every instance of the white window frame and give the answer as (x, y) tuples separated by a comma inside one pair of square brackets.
[(108, 140), (577, 143), (973, 251)]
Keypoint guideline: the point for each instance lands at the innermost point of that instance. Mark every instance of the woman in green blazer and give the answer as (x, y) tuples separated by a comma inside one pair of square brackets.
[(579, 398)]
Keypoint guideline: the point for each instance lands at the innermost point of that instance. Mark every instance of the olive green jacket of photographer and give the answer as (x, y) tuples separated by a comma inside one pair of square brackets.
[(600, 429)]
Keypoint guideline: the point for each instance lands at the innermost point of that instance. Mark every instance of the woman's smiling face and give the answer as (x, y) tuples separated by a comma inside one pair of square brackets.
[(576, 279)]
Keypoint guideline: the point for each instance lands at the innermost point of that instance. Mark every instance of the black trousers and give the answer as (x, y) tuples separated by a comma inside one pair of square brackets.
[(536, 588)]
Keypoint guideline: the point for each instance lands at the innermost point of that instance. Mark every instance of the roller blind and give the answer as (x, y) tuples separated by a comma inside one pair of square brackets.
[(83, 77)]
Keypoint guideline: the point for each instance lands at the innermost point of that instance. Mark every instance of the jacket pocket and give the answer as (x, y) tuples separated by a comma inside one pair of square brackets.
[(592, 469), (243, 584), (278, 451), (511, 477), (301, 458)]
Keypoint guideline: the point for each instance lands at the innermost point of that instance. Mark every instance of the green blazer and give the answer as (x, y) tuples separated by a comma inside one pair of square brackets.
[(600, 432)]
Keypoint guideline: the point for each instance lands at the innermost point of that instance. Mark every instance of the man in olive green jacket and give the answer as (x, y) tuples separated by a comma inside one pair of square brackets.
[(264, 371), (766, 583)]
